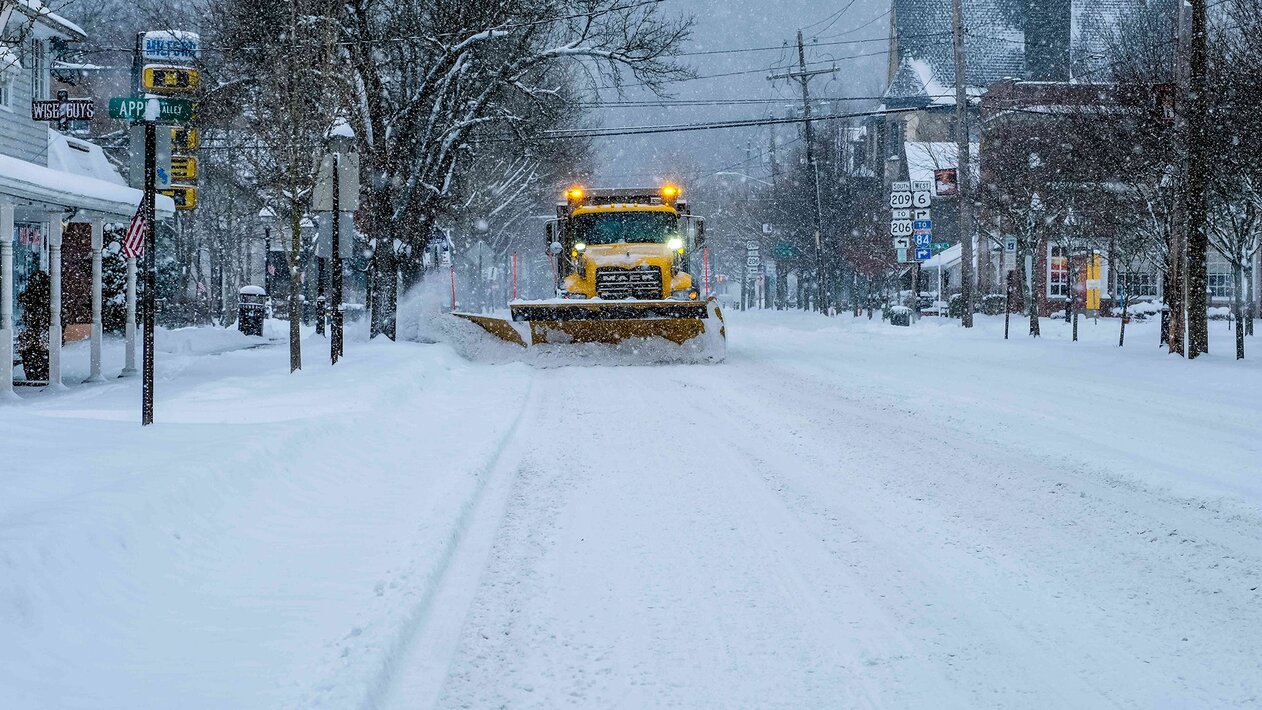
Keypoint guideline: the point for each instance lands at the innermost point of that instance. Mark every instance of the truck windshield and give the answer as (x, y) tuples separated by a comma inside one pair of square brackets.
[(625, 228)]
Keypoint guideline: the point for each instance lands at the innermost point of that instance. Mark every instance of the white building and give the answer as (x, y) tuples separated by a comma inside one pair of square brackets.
[(48, 183)]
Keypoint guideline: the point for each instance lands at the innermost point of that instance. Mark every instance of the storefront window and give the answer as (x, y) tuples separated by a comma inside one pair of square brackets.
[(29, 256), (1058, 273)]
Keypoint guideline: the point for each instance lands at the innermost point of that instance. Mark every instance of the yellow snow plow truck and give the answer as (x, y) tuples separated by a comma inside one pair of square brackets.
[(626, 263)]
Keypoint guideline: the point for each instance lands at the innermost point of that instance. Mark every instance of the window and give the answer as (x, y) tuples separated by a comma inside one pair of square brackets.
[(39, 71), (1058, 273), (626, 227), (893, 139), (1220, 284), (9, 68), (1138, 284)]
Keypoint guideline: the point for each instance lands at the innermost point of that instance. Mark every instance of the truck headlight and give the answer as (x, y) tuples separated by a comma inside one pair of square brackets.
[(675, 244), (580, 247)]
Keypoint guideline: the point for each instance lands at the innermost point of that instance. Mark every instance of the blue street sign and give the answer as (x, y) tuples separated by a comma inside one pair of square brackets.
[(925, 224), (924, 239), (924, 254)]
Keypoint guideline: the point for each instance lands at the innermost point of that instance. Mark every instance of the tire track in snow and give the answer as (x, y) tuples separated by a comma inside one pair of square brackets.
[(687, 579), (492, 480)]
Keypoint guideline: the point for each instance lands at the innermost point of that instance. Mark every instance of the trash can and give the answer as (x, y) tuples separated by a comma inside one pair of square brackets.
[(900, 315), (252, 310)]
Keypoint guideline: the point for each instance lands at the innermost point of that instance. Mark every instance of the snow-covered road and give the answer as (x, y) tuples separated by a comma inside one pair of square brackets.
[(842, 515)]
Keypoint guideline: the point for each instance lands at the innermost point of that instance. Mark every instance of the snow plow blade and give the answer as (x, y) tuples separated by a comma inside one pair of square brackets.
[(683, 323)]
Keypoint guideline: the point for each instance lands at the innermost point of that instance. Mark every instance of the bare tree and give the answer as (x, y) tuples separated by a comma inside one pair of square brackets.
[(276, 63), (429, 81)]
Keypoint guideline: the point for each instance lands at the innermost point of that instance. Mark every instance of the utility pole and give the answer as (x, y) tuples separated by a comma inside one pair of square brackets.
[(151, 263), (335, 262), (804, 77), (1198, 177), (964, 185)]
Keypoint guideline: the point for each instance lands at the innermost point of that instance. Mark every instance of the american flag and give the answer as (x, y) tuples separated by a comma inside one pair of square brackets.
[(134, 239)]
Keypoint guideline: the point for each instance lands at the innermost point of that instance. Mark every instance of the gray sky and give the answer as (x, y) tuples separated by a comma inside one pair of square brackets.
[(740, 24)]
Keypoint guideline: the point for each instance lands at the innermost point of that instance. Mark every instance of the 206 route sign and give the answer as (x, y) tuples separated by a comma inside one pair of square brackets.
[(132, 108)]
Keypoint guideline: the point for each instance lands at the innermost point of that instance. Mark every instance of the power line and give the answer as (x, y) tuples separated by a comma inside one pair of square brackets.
[(688, 127)]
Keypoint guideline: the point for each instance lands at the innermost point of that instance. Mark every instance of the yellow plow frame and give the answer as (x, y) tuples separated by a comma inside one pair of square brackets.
[(608, 322)]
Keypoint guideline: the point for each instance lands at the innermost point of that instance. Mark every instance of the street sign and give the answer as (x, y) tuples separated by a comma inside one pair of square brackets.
[(186, 139), (921, 194), (185, 196), (923, 254), (161, 158), (902, 243), (902, 256), (925, 224), (783, 250), (924, 240), (921, 215), (170, 80), (900, 228), (752, 261), (171, 45), (347, 182), (901, 200), (63, 110), (132, 108), (902, 214), (1010, 245), (940, 246), (184, 168)]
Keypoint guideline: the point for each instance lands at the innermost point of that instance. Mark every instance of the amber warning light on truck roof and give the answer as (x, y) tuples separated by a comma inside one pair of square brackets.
[(670, 193), (574, 194)]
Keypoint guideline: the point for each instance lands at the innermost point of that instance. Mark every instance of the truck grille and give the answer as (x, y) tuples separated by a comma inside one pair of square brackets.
[(643, 283)]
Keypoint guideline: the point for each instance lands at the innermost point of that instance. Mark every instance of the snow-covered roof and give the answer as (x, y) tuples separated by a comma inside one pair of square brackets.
[(9, 60), (341, 128), (924, 158), (40, 11), (949, 258), (996, 46), (39, 184), (75, 155)]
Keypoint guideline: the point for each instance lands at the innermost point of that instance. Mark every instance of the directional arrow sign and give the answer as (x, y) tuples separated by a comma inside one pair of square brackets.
[(174, 80), (132, 108), (184, 168), (924, 254)]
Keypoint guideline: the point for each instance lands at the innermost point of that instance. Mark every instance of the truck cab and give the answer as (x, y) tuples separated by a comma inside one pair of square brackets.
[(637, 244)]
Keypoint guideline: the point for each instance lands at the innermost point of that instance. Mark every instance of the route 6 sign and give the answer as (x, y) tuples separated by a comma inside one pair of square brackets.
[(921, 199)]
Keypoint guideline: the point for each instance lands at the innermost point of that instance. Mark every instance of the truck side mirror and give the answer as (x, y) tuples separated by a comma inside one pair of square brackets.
[(555, 248)]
